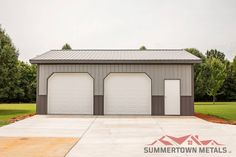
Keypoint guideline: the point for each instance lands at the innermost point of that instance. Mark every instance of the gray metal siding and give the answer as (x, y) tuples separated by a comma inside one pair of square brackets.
[(157, 72)]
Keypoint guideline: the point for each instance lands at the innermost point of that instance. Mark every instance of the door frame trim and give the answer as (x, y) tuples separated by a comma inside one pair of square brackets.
[(179, 96)]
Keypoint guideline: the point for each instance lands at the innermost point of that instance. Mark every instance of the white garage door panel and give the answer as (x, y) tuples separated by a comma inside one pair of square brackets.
[(172, 97), (70, 93), (127, 93)]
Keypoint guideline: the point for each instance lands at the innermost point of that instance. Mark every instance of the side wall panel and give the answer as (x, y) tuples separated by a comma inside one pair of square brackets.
[(157, 72)]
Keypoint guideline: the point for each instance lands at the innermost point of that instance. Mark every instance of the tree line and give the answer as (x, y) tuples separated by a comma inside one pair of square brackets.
[(17, 78), (215, 77)]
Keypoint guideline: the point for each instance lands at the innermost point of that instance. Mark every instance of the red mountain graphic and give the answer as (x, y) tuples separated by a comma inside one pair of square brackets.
[(179, 140), (212, 142), (171, 140)]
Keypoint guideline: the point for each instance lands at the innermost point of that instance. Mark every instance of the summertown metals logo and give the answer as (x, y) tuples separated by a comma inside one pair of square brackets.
[(185, 144)]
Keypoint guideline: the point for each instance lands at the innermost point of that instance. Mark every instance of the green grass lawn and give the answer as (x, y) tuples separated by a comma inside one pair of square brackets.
[(8, 111), (225, 110)]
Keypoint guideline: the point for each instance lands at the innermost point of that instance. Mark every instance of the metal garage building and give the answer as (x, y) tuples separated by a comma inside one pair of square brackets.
[(129, 82)]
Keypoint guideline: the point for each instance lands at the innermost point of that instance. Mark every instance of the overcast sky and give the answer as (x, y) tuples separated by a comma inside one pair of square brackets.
[(37, 26)]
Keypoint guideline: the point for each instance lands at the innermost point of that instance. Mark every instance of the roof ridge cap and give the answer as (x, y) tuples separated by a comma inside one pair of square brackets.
[(118, 50)]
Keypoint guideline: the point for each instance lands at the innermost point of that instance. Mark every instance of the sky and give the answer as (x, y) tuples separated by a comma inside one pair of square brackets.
[(36, 26)]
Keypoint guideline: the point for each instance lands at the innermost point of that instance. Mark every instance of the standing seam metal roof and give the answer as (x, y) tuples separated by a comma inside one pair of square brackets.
[(119, 56)]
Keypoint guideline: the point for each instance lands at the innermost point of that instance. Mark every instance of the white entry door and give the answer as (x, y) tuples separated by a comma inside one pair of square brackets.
[(70, 93), (172, 97), (127, 93)]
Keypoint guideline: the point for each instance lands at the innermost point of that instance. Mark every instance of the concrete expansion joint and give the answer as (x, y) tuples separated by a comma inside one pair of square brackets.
[(90, 125), (159, 125)]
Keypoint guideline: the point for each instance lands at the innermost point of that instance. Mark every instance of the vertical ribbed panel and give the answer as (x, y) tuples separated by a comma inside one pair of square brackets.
[(157, 72)]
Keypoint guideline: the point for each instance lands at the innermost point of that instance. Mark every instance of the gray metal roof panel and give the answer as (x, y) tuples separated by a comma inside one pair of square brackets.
[(109, 56)]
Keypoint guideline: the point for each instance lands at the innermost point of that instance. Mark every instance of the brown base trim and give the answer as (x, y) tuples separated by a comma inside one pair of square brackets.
[(157, 105), (98, 106), (41, 104), (186, 106)]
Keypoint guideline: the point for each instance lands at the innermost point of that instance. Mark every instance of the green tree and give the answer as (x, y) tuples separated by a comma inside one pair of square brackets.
[(27, 82), (234, 65), (199, 83), (216, 54), (214, 73), (196, 52), (8, 68), (229, 86), (142, 48), (66, 47)]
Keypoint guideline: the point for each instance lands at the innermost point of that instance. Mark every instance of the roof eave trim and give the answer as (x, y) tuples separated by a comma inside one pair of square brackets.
[(111, 61)]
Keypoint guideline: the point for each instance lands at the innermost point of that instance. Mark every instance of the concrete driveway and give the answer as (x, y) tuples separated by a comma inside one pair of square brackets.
[(123, 135)]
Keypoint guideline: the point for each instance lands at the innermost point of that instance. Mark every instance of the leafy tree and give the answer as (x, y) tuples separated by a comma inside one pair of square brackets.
[(8, 68), (216, 54), (196, 52), (214, 73), (234, 65), (229, 86), (17, 79), (199, 83), (66, 47), (142, 48), (27, 82)]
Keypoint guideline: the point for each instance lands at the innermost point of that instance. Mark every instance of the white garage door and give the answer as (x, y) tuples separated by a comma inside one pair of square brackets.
[(172, 97), (70, 93), (127, 93)]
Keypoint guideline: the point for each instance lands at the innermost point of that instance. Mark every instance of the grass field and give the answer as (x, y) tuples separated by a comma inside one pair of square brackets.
[(8, 111), (225, 110)]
